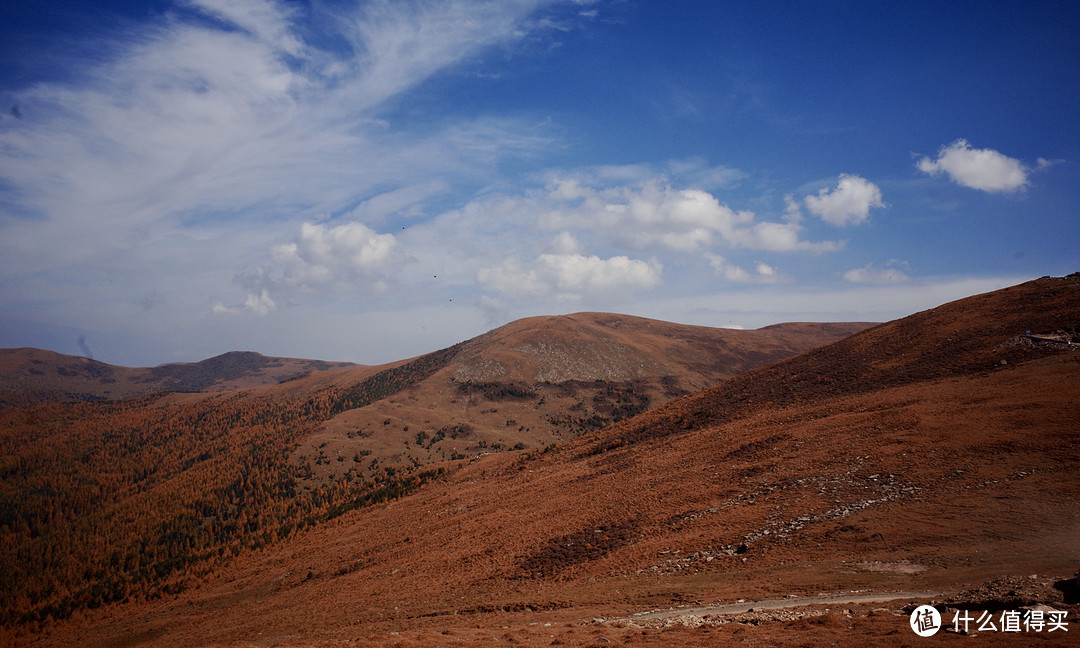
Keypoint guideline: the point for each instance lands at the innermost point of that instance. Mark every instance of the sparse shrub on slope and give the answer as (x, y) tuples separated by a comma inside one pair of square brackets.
[(575, 548)]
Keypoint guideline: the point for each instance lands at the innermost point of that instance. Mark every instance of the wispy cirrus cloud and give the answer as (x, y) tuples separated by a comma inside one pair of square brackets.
[(189, 118), (266, 20), (213, 138)]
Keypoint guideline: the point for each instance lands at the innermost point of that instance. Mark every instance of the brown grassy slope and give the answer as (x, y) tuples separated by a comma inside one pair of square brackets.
[(76, 526), (33, 375), (108, 500), (543, 380), (981, 333), (607, 346), (921, 463)]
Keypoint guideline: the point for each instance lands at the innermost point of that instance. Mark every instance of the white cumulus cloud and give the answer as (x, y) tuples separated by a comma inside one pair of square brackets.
[(260, 304), (848, 203), (871, 275), (652, 215), (763, 273), (570, 276), (513, 279), (579, 273), (983, 169), (321, 251), (348, 257)]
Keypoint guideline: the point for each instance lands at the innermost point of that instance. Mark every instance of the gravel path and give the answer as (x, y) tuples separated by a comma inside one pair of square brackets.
[(779, 604)]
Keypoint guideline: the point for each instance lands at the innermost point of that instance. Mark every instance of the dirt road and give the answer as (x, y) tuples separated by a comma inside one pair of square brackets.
[(842, 598)]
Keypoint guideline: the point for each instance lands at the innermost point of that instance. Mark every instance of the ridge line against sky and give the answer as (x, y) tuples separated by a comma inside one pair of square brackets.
[(367, 181)]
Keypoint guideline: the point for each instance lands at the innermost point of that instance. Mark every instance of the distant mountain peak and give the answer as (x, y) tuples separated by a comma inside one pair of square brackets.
[(30, 375)]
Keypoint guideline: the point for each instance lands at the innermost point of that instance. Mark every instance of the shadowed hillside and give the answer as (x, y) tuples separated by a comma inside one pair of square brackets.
[(931, 459)]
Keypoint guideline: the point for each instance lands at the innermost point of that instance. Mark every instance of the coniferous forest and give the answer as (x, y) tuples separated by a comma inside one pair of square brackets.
[(113, 500)]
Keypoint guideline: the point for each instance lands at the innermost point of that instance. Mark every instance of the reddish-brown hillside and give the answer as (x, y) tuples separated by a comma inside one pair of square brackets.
[(33, 375), (544, 380), (109, 500), (906, 464), (983, 333)]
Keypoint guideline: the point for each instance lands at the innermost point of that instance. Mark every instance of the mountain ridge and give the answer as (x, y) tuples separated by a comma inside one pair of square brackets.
[(29, 375), (237, 470), (542, 380), (898, 352), (907, 458)]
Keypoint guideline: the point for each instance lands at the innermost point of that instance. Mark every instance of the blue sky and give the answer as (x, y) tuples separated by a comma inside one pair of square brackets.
[(369, 181)]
